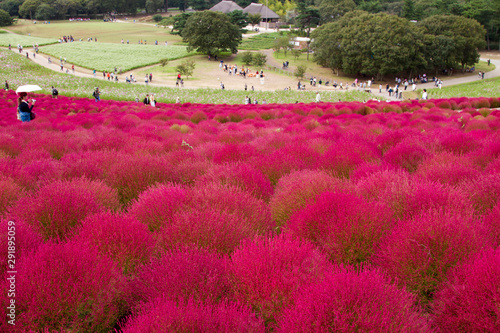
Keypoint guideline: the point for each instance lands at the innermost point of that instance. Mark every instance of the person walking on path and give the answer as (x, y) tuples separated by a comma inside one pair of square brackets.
[(146, 79)]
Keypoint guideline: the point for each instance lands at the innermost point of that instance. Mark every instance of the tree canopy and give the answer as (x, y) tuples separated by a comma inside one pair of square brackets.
[(210, 33), (5, 18)]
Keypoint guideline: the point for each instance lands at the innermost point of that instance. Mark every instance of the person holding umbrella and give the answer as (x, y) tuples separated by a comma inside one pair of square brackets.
[(24, 109)]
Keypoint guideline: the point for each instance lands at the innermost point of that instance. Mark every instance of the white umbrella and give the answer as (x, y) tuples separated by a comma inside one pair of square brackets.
[(28, 88)]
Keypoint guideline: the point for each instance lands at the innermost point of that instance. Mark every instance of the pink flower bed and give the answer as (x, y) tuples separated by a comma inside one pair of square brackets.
[(320, 217)]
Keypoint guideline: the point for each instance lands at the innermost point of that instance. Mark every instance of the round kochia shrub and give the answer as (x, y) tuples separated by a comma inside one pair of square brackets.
[(298, 189), (345, 226), (468, 301), (182, 274), (65, 287), (408, 196), (216, 217), (353, 301), (9, 194), (157, 206), (58, 207), (241, 175), (163, 315), (267, 272), (420, 252), (131, 175), (122, 238)]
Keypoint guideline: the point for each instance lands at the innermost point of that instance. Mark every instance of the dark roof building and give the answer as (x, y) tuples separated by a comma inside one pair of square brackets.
[(258, 8), (225, 7)]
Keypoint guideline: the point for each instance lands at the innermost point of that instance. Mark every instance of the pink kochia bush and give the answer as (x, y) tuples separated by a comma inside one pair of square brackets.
[(469, 300), (180, 275), (298, 189), (347, 300), (66, 287), (420, 252), (267, 272), (58, 207), (346, 227), (216, 217), (157, 206), (241, 175), (122, 238), (163, 315)]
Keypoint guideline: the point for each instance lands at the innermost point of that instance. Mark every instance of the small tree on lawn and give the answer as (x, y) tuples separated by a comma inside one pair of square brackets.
[(164, 62), (247, 58), (296, 53), (254, 19), (301, 71), (259, 59), (186, 68)]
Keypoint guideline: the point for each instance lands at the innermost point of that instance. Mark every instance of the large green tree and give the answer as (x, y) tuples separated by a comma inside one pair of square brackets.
[(372, 44), (331, 10), (238, 18), (210, 33), (5, 18), (467, 37)]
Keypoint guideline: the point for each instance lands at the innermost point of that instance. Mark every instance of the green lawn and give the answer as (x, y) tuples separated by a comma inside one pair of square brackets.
[(18, 71), (259, 42), (480, 88), (105, 56), (106, 32), (25, 41)]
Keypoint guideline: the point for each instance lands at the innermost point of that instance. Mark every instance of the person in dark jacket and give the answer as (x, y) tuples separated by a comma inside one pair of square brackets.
[(6, 85), (24, 109)]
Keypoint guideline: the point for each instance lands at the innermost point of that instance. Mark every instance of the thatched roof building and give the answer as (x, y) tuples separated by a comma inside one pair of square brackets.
[(258, 8), (225, 7)]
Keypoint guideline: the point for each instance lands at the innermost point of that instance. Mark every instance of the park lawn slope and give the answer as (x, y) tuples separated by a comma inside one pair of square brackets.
[(18, 71), (25, 41), (107, 56), (481, 88), (106, 32)]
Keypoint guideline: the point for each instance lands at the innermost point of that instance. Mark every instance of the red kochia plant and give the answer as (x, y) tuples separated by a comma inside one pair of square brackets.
[(131, 175), (468, 302), (447, 168), (65, 287), (267, 272), (407, 155), (346, 154), (157, 206), (181, 274), (218, 218), (408, 197), (483, 191), (353, 301), (163, 315), (18, 238), (345, 226), (122, 238), (420, 252), (60, 206), (298, 189), (9, 194), (241, 175)]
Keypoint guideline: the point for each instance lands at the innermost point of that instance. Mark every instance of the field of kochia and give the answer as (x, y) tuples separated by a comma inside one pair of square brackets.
[(107, 56), (325, 217)]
